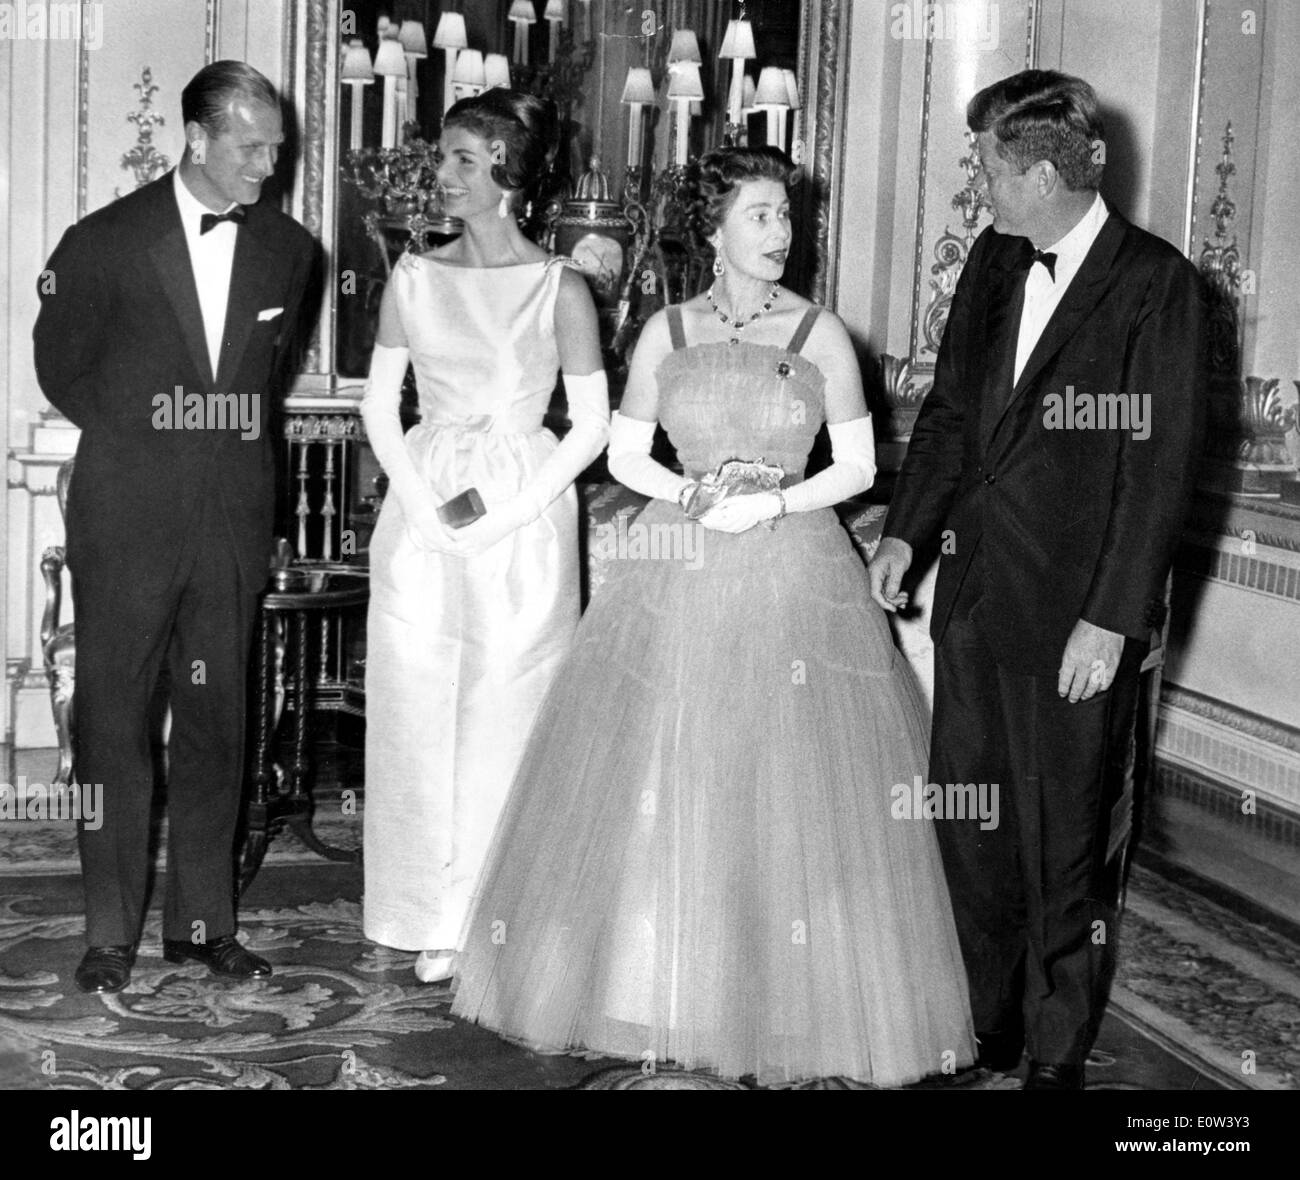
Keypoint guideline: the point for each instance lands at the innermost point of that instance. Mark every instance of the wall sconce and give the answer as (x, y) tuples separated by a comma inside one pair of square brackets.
[(738, 45), (450, 37), (470, 76), (771, 96), (414, 48), (357, 71), (496, 70)]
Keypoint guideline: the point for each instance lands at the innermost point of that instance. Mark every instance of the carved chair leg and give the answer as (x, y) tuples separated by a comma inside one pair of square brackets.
[(61, 685)]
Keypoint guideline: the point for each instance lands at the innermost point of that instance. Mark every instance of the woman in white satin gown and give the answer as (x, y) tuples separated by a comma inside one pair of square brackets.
[(467, 626)]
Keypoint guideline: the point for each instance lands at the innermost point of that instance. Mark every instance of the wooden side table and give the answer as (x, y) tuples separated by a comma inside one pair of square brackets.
[(271, 808)]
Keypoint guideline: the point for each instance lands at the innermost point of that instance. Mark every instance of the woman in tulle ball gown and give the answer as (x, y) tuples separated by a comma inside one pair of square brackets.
[(467, 625), (697, 862)]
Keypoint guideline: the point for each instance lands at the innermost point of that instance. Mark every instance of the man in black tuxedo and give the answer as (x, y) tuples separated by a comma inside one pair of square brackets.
[(168, 323), (1052, 462)]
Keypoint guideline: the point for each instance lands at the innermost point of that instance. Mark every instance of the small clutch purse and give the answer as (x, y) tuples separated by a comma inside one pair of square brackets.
[(734, 477)]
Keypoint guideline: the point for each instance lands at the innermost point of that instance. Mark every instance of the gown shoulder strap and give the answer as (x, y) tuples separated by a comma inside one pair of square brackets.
[(805, 326), (676, 332)]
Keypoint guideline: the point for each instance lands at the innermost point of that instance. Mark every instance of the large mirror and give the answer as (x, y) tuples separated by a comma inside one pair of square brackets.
[(378, 75)]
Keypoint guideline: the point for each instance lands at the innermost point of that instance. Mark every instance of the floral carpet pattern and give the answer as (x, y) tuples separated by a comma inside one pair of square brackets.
[(342, 1013), (1214, 988), (175, 1026)]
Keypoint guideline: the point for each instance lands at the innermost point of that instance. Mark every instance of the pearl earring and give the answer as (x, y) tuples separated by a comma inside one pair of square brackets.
[(503, 206), (718, 268), (196, 153)]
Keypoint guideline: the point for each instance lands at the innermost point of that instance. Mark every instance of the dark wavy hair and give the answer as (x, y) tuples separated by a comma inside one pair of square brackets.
[(1043, 115), (528, 127), (715, 181), (207, 95)]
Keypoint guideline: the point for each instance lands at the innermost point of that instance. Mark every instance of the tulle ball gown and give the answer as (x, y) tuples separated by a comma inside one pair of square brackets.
[(697, 862), (460, 651)]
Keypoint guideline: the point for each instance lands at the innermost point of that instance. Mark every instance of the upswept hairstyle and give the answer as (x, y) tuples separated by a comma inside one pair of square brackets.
[(719, 174), (528, 127), (207, 95), (1043, 115)]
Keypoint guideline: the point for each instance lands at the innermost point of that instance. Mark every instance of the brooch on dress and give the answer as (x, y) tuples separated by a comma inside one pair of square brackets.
[(783, 370)]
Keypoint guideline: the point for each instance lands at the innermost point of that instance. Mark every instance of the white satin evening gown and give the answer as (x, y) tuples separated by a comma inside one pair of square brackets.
[(461, 650)]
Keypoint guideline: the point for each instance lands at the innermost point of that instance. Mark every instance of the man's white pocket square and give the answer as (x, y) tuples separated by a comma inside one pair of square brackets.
[(268, 313)]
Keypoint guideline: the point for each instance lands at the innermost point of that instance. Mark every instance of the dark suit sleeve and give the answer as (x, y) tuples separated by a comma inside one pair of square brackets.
[(71, 326), (300, 314), (931, 471), (1154, 480)]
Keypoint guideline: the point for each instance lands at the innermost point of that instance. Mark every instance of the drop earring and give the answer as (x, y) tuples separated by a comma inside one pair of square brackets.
[(503, 206), (196, 153), (718, 268)]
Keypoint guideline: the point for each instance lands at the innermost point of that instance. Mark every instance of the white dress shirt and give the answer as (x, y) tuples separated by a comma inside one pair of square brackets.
[(212, 257), (1042, 293)]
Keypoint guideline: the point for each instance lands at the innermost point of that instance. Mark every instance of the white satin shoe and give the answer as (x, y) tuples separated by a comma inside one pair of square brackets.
[(435, 966)]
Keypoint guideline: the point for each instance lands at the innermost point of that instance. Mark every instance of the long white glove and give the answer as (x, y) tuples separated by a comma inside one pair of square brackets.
[(588, 398), (381, 413), (852, 470), (630, 441)]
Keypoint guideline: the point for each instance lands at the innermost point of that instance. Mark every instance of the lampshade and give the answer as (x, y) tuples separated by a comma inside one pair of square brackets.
[(450, 33), (496, 70), (555, 10), (771, 92), (411, 36), (685, 48), (791, 89), (357, 66), (738, 41), (389, 60), (469, 69), (523, 11), (639, 86), (684, 83)]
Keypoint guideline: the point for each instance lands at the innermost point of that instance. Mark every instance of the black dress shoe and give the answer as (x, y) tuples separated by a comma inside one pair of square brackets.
[(105, 968), (1046, 1075), (1000, 1052), (222, 956)]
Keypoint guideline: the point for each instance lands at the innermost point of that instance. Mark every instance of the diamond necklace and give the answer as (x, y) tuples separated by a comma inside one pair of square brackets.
[(739, 326)]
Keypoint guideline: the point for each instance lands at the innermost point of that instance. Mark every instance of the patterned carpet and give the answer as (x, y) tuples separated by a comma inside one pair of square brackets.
[(1202, 1000)]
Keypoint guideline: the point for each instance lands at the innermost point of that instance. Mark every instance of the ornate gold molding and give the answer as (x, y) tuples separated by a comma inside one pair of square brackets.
[(314, 52), (211, 31), (828, 136), (1275, 733), (145, 160), (83, 123), (1198, 124)]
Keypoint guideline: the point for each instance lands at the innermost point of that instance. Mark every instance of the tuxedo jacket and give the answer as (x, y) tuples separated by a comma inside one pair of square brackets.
[(119, 326), (1058, 511)]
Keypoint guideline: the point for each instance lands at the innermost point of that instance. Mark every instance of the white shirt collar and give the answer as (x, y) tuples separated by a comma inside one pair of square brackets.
[(192, 209), (1071, 249)]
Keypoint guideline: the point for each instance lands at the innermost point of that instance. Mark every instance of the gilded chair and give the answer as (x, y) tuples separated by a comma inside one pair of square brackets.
[(58, 642)]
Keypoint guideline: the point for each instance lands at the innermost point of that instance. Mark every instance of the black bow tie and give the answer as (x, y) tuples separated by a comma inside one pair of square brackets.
[(209, 220), (1048, 260)]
